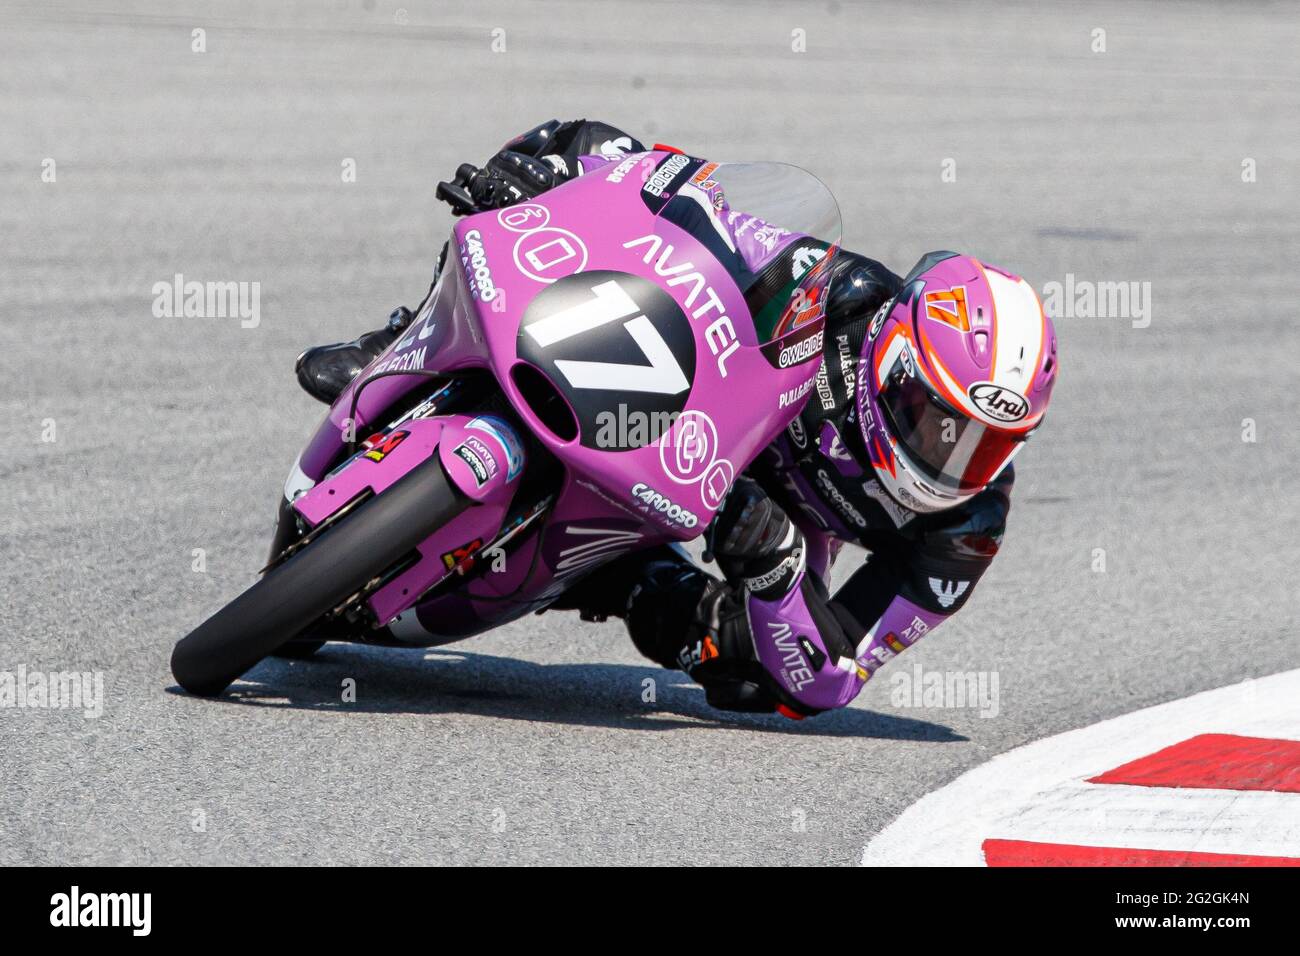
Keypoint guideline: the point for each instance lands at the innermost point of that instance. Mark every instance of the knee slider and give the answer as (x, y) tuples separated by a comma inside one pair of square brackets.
[(662, 608)]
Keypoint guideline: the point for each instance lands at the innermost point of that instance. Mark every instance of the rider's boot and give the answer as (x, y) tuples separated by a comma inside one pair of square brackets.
[(655, 591), (326, 370)]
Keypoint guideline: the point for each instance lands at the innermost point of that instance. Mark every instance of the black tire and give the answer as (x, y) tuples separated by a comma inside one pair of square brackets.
[(293, 595), (298, 650)]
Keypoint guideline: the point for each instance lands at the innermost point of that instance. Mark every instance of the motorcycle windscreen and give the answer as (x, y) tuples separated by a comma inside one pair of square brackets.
[(774, 227)]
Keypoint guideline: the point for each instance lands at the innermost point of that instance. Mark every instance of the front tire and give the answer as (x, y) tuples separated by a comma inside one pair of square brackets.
[(298, 650), (293, 595)]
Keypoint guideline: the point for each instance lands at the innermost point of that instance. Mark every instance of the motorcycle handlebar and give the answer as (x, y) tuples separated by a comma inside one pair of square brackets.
[(457, 193)]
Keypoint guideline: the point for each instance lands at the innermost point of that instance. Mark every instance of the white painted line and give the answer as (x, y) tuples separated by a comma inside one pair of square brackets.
[(1037, 792), (1246, 822)]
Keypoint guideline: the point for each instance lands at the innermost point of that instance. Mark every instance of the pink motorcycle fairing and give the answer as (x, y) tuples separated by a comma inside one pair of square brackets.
[(638, 353)]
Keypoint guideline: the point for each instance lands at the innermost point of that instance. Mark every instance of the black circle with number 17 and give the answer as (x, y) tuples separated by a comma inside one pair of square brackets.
[(619, 349)]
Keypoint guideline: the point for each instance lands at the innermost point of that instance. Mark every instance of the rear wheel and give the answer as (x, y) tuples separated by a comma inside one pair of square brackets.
[(293, 595)]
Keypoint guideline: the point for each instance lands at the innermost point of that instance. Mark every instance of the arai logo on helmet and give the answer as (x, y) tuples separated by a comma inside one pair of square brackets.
[(997, 402)]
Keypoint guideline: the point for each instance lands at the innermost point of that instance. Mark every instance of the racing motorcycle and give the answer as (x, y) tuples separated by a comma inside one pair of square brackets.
[(587, 377)]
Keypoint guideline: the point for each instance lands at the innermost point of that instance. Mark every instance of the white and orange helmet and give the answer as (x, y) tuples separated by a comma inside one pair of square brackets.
[(957, 371)]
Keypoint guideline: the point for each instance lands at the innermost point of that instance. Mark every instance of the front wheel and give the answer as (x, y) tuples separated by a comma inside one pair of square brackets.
[(298, 650), (293, 595)]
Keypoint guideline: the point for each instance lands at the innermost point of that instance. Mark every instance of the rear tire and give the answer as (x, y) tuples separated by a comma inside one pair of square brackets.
[(293, 595)]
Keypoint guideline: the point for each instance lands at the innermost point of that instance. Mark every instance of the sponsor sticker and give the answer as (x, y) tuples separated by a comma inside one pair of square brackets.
[(665, 174), (797, 433), (689, 447), (878, 320), (461, 559), (663, 506), (475, 463), (795, 671), (474, 261), (623, 168), (800, 351), (998, 402), (789, 566), (403, 363), (794, 395), (548, 253), (386, 447), (803, 259), (816, 656), (701, 178), (506, 438), (524, 217), (719, 330), (661, 185), (802, 345), (716, 481), (946, 592), (614, 148), (836, 497)]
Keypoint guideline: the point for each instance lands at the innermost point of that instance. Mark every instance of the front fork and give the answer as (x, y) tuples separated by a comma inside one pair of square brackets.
[(483, 456)]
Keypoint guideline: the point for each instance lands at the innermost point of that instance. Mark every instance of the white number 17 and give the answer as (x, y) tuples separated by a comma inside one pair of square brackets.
[(611, 303)]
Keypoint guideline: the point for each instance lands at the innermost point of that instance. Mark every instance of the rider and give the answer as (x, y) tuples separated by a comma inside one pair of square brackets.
[(930, 385)]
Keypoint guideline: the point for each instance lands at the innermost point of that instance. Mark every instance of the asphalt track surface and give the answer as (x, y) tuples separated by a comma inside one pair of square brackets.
[(533, 743)]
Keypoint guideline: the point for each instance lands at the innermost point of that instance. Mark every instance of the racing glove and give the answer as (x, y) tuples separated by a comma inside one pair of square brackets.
[(510, 177)]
